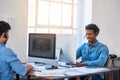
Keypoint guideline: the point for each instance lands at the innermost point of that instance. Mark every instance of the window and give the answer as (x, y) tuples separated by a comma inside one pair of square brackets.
[(53, 16)]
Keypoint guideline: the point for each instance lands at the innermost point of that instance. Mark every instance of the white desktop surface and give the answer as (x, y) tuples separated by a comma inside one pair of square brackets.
[(70, 71), (40, 70)]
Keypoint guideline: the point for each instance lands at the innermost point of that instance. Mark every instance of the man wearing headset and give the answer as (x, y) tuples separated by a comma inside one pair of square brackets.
[(8, 59), (93, 53)]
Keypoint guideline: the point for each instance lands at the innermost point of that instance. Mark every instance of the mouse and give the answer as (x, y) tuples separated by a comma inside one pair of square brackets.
[(54, 67)]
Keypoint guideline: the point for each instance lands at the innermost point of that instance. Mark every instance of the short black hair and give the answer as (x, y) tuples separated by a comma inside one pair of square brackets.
[(4, 27), (93, 27)]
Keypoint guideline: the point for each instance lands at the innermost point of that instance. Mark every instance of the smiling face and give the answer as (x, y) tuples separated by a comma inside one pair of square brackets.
[(91, 37)]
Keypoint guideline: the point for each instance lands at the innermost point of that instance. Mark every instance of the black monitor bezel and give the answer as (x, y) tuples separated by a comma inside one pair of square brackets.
[(54, 45)]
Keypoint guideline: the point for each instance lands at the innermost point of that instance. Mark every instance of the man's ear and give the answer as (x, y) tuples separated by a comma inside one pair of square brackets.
[(2, 39)]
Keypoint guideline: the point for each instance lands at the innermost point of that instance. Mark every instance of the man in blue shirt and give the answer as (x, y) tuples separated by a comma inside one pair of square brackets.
[(93, 53), (8, 59)]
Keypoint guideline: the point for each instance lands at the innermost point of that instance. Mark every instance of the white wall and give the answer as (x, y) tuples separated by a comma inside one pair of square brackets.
[(18, 43), (106, 14), (17, 8)]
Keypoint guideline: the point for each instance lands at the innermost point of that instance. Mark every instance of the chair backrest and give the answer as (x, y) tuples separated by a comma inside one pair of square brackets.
[(107, 62), (106, 75)]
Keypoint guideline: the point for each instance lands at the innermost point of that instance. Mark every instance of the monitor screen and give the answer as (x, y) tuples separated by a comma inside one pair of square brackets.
[(42, 45)]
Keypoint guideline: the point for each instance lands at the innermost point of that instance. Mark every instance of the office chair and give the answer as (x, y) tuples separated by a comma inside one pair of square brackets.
[(106, 75), (112, 57), (17, 76), (107, 62)]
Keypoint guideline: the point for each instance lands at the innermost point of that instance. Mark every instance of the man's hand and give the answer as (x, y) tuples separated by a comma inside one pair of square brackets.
[(79, 64), (71, 64), (29, 68)]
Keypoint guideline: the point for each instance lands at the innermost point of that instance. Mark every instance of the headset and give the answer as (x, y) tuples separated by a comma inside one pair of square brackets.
[(5, 35), (97, 33)]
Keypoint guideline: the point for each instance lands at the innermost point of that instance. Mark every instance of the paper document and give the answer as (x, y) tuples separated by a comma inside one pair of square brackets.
[(48, 74), (91, 70), (84, 70), (71, 71), (53, 72)]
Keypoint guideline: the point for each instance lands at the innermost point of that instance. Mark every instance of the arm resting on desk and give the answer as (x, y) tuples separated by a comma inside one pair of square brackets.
[(79, 64)]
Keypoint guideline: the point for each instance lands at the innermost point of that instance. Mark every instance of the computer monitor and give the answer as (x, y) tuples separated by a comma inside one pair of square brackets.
[(42, 45)]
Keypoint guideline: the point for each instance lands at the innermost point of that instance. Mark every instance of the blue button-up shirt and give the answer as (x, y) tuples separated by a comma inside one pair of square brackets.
[(8, 63), (95, 55)]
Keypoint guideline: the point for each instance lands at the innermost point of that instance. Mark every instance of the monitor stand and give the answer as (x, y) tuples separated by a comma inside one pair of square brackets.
[(46, 66), (50, 67), (39, 63)]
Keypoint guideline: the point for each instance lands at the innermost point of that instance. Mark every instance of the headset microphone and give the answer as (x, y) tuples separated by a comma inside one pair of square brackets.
[(84, 37), (5, 35)]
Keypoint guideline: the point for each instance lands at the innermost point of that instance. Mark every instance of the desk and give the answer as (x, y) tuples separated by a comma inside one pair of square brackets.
[(72, 72), (114, 74)]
